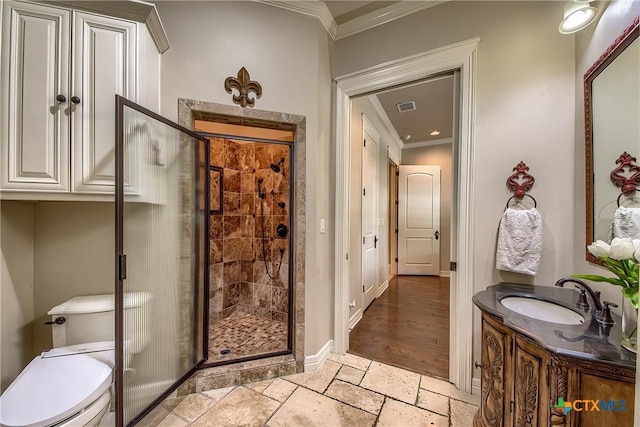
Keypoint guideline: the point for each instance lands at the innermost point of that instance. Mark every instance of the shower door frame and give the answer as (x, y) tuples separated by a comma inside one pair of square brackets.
[(120, 262)]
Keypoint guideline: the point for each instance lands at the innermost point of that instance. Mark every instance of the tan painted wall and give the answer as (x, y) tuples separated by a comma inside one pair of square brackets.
[(16, 289), (437, 155), (289, 54), (74, 255)]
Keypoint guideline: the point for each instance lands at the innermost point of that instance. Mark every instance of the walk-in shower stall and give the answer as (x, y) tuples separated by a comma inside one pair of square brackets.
[(250, 240)]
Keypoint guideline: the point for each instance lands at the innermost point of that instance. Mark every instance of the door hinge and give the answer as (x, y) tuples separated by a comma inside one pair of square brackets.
[(396, 231), (364, 191), (396, 202), (365, 142), (362, 288), (363, 240), (397, 173), (512, 405), (347, 257), (396, 259), (122, 267), (453, 266)]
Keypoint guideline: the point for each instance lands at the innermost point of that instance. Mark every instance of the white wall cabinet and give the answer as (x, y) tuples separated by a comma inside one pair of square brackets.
[(61, 69)]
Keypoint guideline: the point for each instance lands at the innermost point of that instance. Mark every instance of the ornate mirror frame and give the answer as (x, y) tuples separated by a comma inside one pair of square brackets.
[(612, 52)]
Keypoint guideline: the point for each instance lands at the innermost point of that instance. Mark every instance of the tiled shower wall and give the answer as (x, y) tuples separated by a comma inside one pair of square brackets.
[(238, 277)]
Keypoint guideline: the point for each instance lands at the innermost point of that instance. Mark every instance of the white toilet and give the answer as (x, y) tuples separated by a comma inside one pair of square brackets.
[(69, 386)]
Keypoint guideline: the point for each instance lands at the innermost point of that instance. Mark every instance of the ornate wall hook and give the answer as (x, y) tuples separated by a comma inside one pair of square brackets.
[(520, 188), (628, 185), (244, 85)]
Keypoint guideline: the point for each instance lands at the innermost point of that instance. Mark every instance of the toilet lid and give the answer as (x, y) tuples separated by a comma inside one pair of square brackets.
[(49, 390)]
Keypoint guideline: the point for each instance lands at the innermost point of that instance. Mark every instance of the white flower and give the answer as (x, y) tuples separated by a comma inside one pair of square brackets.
[(599, 249), (622, 248)]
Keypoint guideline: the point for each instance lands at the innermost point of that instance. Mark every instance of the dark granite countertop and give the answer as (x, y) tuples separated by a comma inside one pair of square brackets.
[(589, 340)]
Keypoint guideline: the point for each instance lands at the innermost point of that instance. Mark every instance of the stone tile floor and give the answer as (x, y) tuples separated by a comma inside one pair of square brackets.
[(345, 391)]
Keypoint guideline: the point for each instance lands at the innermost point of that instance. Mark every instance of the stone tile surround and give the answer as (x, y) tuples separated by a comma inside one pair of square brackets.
[(346, 391), (274, 366)]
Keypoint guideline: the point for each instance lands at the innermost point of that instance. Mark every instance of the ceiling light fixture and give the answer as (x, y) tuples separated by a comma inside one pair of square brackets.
[(577, 15), (405, 137), (435, 133)]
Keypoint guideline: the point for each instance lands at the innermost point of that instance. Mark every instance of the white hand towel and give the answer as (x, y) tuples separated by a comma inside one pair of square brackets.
[(625, 223), (520, 241)]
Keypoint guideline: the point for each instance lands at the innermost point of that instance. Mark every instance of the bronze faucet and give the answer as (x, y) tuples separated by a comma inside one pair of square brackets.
[(595, 296)]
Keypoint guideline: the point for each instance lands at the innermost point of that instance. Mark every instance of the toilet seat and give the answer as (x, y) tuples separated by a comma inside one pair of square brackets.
[(52, 389)]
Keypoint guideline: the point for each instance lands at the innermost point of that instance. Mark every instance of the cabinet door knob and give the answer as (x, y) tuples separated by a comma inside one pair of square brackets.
[(75, 100), (61, 98)]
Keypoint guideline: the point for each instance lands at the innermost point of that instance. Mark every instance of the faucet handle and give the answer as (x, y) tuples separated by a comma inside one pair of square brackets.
[(605, 316), (582, 303)]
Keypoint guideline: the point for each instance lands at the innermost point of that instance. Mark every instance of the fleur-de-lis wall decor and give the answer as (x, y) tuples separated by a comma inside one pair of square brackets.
[(244, 85)]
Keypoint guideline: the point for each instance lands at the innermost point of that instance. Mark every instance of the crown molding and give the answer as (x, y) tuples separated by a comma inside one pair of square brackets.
[(382, 16), (134, 10), (372, 19), (375, 102), (316, 9), (428, 143)]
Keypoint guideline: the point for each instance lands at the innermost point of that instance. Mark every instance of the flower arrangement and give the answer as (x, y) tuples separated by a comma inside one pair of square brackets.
[(621, 258)]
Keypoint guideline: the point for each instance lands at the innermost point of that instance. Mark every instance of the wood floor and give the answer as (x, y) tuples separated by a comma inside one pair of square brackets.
[(408, 326)]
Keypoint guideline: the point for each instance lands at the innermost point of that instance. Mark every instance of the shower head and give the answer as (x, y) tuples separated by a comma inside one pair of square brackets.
[(276, 166)]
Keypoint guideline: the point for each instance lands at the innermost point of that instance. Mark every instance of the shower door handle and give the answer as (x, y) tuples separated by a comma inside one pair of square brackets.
[(437, 235)]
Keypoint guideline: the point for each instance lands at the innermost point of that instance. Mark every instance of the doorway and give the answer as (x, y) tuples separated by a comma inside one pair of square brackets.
[(460, 56)]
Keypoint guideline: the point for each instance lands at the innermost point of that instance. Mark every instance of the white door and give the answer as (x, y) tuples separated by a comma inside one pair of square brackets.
[(34, 124), (369, 213), (419, 220)]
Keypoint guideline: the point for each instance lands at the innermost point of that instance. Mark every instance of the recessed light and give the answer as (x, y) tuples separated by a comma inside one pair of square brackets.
[(435, 133)]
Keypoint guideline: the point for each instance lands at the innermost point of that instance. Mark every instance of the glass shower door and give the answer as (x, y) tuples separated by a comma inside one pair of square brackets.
[(161, 229)]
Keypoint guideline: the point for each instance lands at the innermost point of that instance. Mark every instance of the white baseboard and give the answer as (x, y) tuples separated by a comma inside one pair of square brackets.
[(313, 362), (383, 287), (476, 388), (445, 273), (353, 321)]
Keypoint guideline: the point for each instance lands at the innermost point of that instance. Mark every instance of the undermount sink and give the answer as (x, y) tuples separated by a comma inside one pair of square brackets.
[(542, 310)]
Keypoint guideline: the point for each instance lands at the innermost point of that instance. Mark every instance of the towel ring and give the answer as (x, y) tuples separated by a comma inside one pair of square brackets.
[(618, 199), (535, 203)]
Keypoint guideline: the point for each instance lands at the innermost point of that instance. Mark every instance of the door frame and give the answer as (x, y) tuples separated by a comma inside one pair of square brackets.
[(462, 56)]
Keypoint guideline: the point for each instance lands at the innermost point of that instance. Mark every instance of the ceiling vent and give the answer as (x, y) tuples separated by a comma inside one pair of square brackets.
[(403, 107)]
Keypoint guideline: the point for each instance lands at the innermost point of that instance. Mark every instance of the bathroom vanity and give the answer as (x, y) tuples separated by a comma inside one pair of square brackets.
[(529, 364)]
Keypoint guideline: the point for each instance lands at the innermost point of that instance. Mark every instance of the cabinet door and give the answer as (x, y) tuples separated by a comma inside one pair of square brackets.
[(104, 65), (531, 381), (496, 367), (34, 125), (613, 387)]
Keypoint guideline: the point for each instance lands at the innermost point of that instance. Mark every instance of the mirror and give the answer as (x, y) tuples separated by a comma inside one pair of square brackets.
[(612, 109)]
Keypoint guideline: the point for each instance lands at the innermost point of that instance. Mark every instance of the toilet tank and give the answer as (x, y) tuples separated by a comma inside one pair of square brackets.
[(91, 318)]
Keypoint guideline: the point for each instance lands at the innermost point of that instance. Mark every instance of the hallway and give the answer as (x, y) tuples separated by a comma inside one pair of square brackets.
[(408, 326)]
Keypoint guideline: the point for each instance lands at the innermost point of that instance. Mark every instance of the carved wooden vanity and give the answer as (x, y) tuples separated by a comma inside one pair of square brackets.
[(528, 365)]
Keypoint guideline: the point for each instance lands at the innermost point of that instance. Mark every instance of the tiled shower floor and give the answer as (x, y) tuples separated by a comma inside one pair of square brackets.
[(245, 335)]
